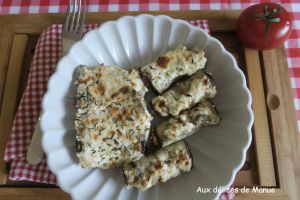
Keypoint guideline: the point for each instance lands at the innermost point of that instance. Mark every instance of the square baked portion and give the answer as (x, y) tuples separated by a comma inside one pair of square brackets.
[(112, 122), (173, 64)]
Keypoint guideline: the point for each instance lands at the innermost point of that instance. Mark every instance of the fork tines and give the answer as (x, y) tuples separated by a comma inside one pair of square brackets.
[(75, 15)]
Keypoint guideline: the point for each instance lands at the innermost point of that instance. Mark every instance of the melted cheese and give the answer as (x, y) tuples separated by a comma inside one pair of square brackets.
[(112, 121), (184, 125), (181, 61), (174, 130), (161, 166), (185, 95)]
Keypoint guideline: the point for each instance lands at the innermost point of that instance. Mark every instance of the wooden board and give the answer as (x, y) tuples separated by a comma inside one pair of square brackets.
[(10, 93), (273, 155), (261, 131)]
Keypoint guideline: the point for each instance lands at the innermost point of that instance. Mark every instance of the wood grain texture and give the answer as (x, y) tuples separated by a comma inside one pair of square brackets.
[(283, 120), (31, 24), (248, 175), (10, 96), (246, 178), (278, 195), (29, 52), (6, 36), (15, 193), (57, 194), (261, 132)]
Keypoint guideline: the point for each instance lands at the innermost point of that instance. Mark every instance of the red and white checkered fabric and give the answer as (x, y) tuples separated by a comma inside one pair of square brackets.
[(46, 56), (24, 124)]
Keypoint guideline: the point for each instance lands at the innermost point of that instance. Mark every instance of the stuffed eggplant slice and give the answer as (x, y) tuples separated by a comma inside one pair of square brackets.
[(160, 166), (112, 122), (173, 64), (185, 124), (185, 95)]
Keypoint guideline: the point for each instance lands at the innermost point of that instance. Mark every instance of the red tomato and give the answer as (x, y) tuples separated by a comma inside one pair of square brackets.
[(264, 26)]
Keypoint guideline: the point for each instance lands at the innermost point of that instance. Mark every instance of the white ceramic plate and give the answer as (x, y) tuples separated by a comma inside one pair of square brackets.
[(219, 152)]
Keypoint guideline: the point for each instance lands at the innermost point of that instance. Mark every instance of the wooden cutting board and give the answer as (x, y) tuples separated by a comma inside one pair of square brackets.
[(274, 153)]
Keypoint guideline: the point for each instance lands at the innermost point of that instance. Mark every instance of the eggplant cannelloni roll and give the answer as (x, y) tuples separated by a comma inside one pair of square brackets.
[(177, 128), (181, 61), (160, 166), (185, 95)]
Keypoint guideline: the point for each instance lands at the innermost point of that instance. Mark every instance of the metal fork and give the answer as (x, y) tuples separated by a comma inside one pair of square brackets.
[(72, 32), (73, 26)]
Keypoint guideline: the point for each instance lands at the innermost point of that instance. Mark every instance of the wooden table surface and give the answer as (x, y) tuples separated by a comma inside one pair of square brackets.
[(273, 157)]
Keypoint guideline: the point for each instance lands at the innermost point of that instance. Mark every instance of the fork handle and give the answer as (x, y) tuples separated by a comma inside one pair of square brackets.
[(35, 152)]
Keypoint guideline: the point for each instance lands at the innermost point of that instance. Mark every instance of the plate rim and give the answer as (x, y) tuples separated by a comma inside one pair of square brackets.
[(194, 28)]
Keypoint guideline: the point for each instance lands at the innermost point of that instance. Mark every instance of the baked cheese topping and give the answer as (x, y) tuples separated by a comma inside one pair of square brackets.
[(181, 61), (184, 125), (185, 95), (112, 122), (103, 85), (161, 166)]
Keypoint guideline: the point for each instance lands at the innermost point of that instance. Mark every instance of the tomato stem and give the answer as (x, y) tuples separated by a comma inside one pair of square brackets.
[(267, 16)]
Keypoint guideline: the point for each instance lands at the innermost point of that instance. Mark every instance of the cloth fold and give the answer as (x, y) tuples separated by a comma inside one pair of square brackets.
[(47, 54)]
